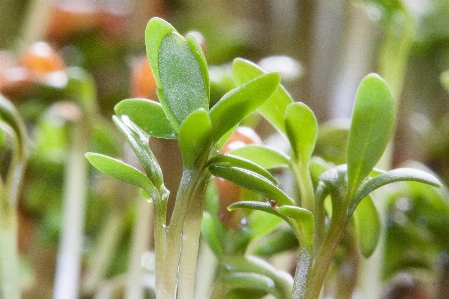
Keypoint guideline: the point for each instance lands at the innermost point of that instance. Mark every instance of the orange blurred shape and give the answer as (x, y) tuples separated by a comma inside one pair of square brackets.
[(40, 59), (68, 18), (229, 192), (143, 84), (14, 80)]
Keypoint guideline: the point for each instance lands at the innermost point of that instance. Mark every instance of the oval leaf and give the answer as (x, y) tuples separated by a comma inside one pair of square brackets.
[(273, 109), (371, 127), (121, 171), (148, 115), (181, 79), (156, 29), (302, 130), (264, 156), (194, 137), (242, 280), (240, 102), (367, 224)]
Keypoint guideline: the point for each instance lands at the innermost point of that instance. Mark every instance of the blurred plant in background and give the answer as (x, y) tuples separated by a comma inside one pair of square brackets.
[(66, 64)]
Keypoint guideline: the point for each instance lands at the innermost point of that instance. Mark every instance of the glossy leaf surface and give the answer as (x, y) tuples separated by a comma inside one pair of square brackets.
[(367, 224), (139, 143), (274, 109), (121, 171), (372, 125), (240, 102), (194, 136), (266, 157), (148, 115)]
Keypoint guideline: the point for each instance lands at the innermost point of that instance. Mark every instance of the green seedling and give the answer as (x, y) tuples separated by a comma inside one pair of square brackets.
[(184, 113)]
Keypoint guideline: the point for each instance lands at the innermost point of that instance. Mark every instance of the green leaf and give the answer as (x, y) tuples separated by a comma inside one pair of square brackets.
[(264, 156), (273, 109), (181, 79), (156, 29), (121, 171), (250, 264), (240, 102), (367, 224), (138, 141), (194, 137), (242, 280), (304, 222), (148, 115), (283, 240), (231, 160), (256, 205), (196, 49), (395, 175), (372, 125), (302, 130), (250, 180), (261, 224)]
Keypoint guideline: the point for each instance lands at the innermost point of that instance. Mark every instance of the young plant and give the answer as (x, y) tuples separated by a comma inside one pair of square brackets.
[(347, 186), (318, 216), (181, 74)]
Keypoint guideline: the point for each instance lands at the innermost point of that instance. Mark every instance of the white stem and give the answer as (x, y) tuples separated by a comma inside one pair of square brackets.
[(70, 247)]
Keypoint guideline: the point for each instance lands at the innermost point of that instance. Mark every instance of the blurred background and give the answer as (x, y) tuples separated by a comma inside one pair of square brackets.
[(322, 48)]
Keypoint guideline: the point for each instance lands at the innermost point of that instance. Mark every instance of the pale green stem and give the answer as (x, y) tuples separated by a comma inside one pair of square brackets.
[(103, 253), (304, 181), (167, 285), (302, 274), (323, 260), (190, 243), (36, 22), (139, 244), (68, 264), (9, 265)]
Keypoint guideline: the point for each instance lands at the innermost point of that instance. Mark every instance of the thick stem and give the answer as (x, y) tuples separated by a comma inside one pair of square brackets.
[(325, 256), (190, 244), (302, 274), (191, 188)]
